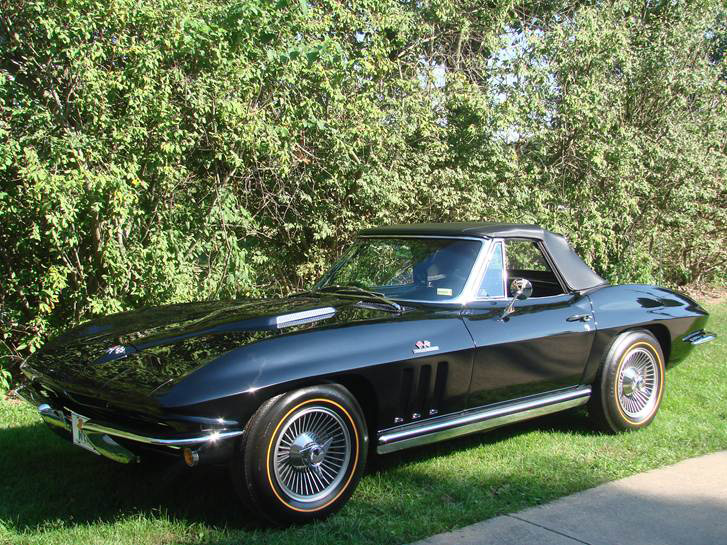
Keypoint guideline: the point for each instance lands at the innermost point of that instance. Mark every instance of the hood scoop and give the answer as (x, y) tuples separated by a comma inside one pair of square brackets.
[(304, 317)]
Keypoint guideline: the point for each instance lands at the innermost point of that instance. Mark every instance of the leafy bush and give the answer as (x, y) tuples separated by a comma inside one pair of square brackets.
[(157, 151)]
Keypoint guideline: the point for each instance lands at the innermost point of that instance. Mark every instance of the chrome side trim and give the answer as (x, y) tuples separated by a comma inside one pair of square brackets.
[(475, 420), (56, 418), (699, 337)]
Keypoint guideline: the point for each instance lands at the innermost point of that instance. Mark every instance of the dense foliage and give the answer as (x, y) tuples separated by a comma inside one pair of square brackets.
[(162, 150)]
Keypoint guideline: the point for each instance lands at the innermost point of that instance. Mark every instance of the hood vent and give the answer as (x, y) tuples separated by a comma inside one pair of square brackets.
[(304, 317)]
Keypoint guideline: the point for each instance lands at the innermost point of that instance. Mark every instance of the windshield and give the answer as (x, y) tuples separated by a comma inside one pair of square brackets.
[(414, 269)]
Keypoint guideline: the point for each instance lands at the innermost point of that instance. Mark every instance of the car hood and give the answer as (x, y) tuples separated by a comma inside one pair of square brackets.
[(126, 357)]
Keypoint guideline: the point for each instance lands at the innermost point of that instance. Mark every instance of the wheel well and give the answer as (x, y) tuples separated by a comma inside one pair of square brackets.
[(662, 335), (358, 386), (364, 393)]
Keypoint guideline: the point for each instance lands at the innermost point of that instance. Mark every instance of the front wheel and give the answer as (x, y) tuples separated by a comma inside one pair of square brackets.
[(303, 454), (630, 384)]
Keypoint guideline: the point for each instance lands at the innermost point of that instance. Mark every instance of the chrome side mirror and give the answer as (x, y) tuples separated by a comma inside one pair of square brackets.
[(521, 289)]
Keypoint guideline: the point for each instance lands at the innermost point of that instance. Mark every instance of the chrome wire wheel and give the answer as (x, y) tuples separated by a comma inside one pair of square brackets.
[(312, 454), (638, 383)]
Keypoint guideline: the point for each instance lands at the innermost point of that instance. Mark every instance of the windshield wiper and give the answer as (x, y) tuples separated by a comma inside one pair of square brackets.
[(355, 290)]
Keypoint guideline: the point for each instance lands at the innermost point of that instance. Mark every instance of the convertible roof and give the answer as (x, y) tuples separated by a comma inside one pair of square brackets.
[(576, 274)]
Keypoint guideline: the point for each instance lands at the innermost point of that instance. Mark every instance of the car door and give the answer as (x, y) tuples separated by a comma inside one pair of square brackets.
[(542, 345)]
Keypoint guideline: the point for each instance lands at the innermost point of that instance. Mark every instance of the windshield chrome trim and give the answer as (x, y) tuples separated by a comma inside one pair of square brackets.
[(469, 291), (476, 296)]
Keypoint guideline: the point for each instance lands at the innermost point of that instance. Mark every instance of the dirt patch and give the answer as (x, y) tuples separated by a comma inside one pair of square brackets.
[(707, 294), (11, 397)]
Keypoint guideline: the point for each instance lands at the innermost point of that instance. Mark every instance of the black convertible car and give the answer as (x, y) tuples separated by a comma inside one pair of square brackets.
[(417, 334)]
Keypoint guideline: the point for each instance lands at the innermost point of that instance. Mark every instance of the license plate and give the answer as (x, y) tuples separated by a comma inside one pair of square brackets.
[(79, 437)]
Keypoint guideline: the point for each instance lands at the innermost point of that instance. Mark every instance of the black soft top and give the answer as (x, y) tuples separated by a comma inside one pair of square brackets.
[(576, 274)]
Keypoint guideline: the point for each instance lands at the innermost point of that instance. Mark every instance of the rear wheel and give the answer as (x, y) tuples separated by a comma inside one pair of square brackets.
[(630, 384), (303, 454)]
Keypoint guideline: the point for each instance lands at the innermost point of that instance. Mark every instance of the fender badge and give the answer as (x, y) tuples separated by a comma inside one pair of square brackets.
[(424, 346), (116, 352)]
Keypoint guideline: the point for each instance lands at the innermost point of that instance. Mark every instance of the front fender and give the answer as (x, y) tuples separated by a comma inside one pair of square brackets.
[(376, 351)]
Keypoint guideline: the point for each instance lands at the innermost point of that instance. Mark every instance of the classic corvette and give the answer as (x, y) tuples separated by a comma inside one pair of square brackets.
[(418, 333)]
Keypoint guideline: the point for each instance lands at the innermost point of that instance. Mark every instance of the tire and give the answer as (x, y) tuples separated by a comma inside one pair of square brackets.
[(302, 454), (630, 384)]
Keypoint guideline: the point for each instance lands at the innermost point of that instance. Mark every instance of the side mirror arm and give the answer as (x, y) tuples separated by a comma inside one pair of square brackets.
[(521, 289)]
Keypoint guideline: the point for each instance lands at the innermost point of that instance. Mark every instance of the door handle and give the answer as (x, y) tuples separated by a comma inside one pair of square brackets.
[(579, 318)]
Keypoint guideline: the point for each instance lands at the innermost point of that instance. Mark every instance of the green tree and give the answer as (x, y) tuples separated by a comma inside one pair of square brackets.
[(156, 151)]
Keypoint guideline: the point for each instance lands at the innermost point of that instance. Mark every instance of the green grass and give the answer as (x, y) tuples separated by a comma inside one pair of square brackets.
[(52, 492)]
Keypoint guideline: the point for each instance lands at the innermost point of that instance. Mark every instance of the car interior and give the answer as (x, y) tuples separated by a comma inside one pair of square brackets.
[(525, 259)]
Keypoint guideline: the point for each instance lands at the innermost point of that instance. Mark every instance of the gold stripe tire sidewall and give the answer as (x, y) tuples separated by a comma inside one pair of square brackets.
[(267, 496), (605, 406), (351, 470), (660, 363)]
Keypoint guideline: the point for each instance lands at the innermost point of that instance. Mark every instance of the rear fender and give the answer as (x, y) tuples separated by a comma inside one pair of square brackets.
[(668, 314)]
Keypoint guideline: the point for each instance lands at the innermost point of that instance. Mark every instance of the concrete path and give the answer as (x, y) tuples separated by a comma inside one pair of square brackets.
[(683, 504)]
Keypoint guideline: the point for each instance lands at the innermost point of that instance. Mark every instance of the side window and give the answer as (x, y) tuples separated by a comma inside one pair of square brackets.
[(524, 255), (492, 283), (524, 259)]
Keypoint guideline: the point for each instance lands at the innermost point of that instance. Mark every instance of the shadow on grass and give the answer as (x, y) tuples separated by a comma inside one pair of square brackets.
[(46, 479)]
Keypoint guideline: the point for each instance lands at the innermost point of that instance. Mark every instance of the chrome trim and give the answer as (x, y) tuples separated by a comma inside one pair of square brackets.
[(27, 396), (52, 417), (481, 419), (486, 265), (425, 350), (469, 291), (58, 419), (304, 316), (504, 297), (519, 287), (455, 237), (579, 318), (110, 449), (699, 337), (212, 437)]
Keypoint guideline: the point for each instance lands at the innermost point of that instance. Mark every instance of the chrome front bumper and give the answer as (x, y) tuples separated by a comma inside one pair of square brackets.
[(102, 434)]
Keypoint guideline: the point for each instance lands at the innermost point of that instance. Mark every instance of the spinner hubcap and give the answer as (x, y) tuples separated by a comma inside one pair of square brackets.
[(638, 383)]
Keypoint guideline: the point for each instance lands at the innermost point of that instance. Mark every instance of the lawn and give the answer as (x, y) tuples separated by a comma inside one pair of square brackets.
[(52, 492)]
